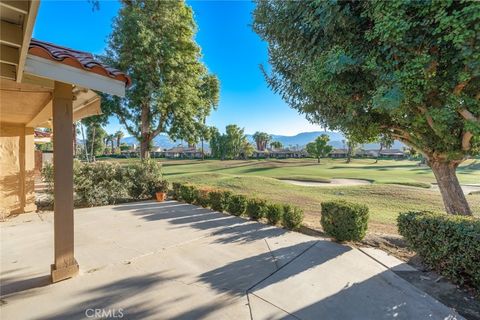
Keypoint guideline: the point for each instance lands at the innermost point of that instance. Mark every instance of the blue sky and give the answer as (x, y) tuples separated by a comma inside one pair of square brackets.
[(230, 49)]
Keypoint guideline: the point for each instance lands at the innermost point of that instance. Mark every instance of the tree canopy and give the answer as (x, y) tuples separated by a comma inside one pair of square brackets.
[(276, 145), (233, 144), (319, 148), (405, 69), (172, 91)]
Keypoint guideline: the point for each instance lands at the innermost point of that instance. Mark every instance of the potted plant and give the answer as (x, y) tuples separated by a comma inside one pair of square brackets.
[(161, 189)]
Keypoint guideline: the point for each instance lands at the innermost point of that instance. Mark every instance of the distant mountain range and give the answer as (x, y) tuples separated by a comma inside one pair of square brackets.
[(296, 141)]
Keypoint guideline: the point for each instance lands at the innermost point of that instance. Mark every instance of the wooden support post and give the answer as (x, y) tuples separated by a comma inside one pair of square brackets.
[(65, 266)]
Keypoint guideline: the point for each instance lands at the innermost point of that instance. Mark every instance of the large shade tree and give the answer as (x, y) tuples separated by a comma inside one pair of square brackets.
[(406, 69), (172, 91), (320, 147)]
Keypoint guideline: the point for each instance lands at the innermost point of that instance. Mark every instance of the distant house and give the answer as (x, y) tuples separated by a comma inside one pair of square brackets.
[(181, 152), (279, 154), (339, 153), (40, 137), (370, 153), (392, 153)]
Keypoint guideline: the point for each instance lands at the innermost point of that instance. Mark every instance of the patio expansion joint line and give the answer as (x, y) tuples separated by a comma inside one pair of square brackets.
[(248, 291), (380, 262), (271, 253), (272, 304)]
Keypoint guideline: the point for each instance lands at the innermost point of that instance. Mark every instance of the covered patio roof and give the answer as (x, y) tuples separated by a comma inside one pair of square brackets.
[(30, 101), (45, 85)]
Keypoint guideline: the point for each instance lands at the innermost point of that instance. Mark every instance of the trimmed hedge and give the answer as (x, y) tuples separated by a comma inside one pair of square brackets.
[(274, 213), (188, 193), (292, 217), (237, 204), (202, 198), (219, 200), (256, 208), (344, 221), (176, 190), (449, 244)]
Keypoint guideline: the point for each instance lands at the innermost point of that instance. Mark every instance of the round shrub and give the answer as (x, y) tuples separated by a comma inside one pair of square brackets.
[(447, 243), (188, 193), (99, 183), (274, 213), (344, 221), (219, 200), (256, 208), (144, 177), (292, 217), (237, 204)]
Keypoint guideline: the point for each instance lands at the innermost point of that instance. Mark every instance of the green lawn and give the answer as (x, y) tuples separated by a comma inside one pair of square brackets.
[(384, 197)]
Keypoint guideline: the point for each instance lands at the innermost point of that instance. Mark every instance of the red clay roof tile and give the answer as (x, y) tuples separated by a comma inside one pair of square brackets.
[(74, 58)]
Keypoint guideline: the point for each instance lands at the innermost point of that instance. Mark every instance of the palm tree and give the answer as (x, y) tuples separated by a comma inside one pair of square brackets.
[(276, 145), (261, 139), (118, 136), (110, 138)]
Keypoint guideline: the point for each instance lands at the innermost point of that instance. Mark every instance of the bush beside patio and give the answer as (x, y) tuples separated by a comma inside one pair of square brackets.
[(448, 244), (106, 183)]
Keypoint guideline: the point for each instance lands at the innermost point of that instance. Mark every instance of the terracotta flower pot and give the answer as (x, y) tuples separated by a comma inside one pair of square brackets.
[(160, 196)]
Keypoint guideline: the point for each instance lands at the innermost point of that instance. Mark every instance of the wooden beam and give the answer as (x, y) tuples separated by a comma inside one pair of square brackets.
[(43, 116), (38, 81), (18, 6), (8, 71), (28, 24), (8, 54), (11, 34), (65, 266)]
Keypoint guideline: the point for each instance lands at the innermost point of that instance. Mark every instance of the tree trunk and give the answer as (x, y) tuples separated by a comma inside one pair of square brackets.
[(453, 197), (93, 144), (145, 134), (85, 147), (318, 159), (145, 148), (380, 150), (74, 133)]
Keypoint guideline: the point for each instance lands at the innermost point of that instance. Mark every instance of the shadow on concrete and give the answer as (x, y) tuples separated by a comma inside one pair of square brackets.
[(372, 299), (241, 272), (228, 228), (114, 296), (14, 284)]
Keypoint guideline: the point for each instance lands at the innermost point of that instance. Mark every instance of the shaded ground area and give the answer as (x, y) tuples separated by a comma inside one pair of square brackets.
[(176, 261)]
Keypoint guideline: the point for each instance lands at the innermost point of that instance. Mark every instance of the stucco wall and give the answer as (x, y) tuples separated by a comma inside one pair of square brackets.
[(17, 164)]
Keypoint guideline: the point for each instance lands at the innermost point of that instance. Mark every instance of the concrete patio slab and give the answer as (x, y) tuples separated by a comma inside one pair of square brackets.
[(387, 260), (170, 260), (344, 282)]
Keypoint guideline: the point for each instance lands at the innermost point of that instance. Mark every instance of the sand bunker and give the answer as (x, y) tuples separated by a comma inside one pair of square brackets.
[(333, 183)]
